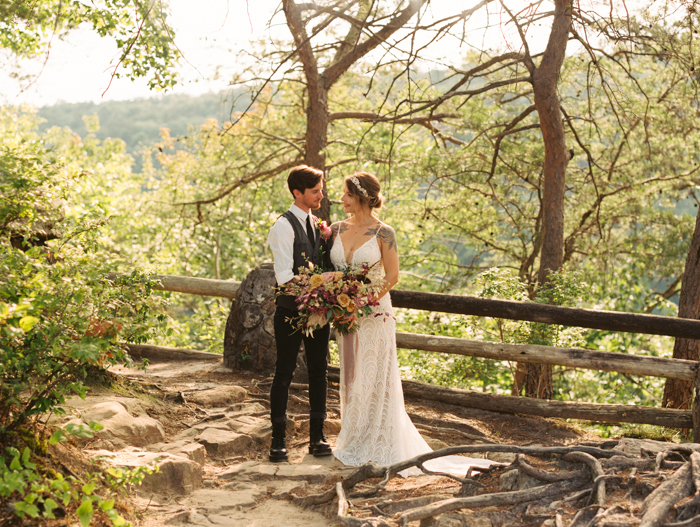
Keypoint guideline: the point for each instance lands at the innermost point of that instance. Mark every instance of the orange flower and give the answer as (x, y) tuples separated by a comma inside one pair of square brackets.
[(316, 280)]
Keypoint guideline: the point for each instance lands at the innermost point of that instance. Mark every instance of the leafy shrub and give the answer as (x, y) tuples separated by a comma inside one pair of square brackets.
[(60, 316), (37, 494)]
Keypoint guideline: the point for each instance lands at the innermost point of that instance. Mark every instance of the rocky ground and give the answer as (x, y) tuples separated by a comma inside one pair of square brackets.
[(208, 430)]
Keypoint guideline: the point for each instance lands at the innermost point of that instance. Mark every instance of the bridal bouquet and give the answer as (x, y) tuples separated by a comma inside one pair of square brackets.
[(338, 297)]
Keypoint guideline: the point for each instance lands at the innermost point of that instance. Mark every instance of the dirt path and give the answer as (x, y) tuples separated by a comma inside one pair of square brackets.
[(210, 429)]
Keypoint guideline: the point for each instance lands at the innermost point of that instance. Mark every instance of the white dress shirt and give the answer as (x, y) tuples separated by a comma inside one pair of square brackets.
[(281, 242)]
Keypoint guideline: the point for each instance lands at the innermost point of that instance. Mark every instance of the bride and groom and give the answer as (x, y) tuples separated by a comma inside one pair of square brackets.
[(374, 424)]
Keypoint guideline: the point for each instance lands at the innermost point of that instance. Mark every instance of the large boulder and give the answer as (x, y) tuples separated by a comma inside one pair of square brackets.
[(249, 337)]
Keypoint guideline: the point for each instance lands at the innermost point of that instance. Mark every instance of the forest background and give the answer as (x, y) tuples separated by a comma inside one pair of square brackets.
[(464, 182)]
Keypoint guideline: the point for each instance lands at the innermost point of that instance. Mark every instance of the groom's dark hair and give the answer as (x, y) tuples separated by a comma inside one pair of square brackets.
[(302, 177)]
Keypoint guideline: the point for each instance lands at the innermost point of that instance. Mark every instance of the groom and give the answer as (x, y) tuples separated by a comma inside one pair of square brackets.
[(295, 241)]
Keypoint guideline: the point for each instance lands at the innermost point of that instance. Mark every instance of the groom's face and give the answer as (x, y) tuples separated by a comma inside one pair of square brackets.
[(311, 198)]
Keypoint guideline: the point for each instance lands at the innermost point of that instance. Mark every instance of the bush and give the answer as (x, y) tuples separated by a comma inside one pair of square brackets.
[(60, 316)]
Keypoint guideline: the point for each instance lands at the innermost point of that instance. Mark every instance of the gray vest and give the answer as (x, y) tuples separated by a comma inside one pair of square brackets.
[(304, 253)]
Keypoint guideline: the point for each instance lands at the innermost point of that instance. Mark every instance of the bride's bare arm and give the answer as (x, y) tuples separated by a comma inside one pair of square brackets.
[(390, 257)]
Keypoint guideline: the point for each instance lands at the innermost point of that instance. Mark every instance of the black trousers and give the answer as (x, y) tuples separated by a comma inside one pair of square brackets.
[(288, 343)]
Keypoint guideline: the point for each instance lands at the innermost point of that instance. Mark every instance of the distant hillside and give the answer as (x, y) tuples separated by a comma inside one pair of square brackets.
[(138, 122)]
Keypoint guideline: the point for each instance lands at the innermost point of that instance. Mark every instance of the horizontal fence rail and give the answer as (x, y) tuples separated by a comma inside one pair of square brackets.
[(193, 286), (482, 307), (572, 357), (547, 314), (507, 309), (605, 413)]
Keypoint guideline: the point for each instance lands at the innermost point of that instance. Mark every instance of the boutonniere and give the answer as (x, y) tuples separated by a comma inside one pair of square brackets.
[(324, 229)]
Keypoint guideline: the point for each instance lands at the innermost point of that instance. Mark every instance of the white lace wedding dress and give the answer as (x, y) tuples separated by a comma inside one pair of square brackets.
[(375, 426)]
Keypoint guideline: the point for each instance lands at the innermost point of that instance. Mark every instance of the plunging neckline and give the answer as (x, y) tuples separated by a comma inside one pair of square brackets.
[(352, 255)]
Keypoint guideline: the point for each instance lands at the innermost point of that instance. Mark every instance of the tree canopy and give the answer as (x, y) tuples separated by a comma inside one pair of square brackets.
[(140, 29)]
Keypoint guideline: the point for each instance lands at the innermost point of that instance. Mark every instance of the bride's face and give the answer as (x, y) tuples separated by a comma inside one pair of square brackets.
[(350, 203)]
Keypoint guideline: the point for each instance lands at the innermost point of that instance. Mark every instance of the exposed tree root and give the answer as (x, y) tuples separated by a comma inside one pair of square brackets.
[(489, 500), (596, 468), (615, 489), (667, 494)]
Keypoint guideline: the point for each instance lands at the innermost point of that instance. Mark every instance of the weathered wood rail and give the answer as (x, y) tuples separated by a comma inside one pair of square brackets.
[(547, 314), (513, 310), (483, 307)]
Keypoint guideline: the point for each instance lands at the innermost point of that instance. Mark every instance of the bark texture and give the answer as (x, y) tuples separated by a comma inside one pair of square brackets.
[(677, 393), (545, 78)]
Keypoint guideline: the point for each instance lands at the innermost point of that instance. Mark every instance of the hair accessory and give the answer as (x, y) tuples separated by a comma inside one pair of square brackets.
[(356, 182)]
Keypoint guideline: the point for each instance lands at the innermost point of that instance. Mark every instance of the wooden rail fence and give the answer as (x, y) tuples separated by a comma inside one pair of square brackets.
[(513, 310)]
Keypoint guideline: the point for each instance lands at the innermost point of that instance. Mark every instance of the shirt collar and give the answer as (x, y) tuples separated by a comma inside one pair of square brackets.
[(300, 214)]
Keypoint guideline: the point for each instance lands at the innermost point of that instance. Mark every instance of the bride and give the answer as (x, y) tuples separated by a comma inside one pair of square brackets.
[(375, 426)]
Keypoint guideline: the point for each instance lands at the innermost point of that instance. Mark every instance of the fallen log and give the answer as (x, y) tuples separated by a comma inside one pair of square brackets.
[(164, 353), (615, 413), (611, 413)]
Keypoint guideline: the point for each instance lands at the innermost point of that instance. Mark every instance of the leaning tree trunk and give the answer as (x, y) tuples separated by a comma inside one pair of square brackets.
[(538, 380), (677, 393)]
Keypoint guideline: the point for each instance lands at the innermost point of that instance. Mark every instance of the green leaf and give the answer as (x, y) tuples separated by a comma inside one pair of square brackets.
[(15, 465), (49, 506), (57, 437), (27, 323), (95, 426), (89, 488), (80, 430), (30, 510), (107, 504), (84, 512)]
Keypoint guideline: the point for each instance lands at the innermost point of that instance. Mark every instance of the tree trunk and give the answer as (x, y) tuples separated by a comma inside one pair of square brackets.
[(317, 121), (538, 380), (317, 138), (319, 84), (677, 393)]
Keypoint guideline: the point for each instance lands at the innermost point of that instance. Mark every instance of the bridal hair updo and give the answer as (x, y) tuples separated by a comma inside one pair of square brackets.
[(369, 190)]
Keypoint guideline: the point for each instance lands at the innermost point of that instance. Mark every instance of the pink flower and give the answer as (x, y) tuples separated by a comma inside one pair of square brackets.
[(324, 229)]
